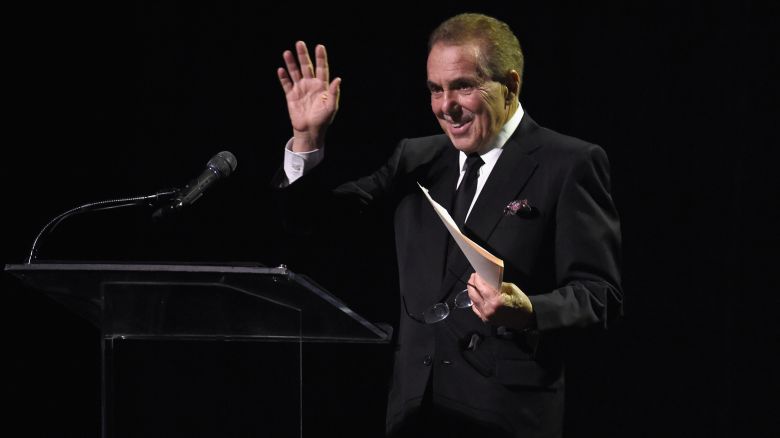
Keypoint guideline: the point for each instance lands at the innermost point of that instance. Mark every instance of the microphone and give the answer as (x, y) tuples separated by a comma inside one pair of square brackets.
[(219, 166)]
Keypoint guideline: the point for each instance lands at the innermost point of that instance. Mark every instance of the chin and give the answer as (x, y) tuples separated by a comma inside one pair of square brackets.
[(465, 147), (462, 144)]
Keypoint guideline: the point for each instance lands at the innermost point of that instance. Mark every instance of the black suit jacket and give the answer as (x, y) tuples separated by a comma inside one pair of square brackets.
[(563, 253)]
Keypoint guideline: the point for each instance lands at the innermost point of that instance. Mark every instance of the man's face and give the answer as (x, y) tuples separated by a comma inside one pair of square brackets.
[(470, 109)]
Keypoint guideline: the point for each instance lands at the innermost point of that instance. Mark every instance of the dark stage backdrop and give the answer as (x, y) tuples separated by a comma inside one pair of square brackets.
[(108, 100)]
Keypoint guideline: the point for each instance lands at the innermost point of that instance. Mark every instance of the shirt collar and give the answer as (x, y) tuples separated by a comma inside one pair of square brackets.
[(494, 151)]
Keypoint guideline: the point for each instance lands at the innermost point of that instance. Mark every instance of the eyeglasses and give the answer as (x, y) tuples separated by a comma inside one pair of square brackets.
[(440, 311)]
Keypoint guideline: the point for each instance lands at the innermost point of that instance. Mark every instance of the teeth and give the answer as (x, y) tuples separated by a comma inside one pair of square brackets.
[(455, 124)]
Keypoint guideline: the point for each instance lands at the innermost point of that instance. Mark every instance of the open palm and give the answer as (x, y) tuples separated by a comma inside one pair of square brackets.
[(312, 101)]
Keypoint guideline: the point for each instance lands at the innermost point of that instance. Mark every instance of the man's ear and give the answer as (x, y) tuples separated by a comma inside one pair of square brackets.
[(513, 83)]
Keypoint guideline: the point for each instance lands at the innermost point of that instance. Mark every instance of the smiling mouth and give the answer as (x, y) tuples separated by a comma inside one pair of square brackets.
[(459, 127)]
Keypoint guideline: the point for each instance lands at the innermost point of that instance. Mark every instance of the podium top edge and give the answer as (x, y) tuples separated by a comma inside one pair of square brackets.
[(244, 268)]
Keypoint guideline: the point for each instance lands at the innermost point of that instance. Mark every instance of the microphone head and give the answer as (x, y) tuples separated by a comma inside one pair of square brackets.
[(224, 163)]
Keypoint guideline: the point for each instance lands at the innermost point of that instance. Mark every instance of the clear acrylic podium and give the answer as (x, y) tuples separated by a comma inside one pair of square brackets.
[(274, 307)]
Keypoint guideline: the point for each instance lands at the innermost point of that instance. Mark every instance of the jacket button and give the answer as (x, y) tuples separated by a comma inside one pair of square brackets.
[(446, 362), (427, 361)]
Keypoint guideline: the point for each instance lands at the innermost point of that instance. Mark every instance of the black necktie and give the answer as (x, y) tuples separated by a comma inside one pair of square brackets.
[(466, 190)]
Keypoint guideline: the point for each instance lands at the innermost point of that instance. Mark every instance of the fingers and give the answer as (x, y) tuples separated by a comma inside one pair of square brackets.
[(488, 302), (508, 305), (284, 79), (292, 67), (478, 311), (474, 288), (321, 56), (295, 72), (303, 58), (302, 67), (477, 299), (481, 291)]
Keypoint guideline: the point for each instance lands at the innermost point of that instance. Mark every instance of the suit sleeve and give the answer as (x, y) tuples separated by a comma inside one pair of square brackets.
[(369, 189), (586, 249), (318, 192)]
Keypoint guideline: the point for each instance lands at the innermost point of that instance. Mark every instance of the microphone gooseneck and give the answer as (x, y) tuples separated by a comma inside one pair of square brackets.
[(94, 206), (219, 166)]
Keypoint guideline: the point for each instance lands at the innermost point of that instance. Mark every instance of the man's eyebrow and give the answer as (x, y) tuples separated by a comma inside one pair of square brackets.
[(455, 83), (458, 82)]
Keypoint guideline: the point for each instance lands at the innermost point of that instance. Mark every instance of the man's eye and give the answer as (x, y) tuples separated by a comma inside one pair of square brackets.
[(466, 89)]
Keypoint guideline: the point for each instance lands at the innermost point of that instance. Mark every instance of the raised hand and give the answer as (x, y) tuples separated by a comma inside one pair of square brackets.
[(312, 101)]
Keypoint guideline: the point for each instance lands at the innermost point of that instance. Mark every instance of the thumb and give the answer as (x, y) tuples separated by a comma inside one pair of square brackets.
[(513, 297), (334, 89)]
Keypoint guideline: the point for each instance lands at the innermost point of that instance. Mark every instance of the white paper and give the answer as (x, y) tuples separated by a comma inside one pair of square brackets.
[(488, 266)]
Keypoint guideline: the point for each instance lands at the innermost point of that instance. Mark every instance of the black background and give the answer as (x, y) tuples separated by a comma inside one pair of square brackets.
[(105, 101)]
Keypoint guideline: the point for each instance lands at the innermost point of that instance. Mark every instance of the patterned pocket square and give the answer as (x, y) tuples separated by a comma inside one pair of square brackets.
[(519, 207)]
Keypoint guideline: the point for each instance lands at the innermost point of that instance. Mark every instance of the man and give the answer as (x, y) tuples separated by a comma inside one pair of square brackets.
[(537, 199)]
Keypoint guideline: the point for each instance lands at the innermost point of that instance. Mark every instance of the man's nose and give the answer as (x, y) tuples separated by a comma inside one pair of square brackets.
[(450, 104)]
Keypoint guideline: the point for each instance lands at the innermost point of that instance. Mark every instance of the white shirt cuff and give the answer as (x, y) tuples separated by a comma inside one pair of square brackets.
[(297, 164)]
